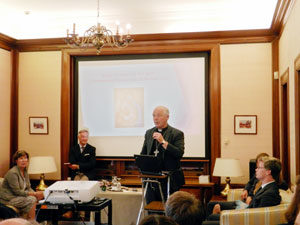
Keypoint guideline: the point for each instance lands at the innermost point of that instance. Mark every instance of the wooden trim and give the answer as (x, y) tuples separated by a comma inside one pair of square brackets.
[(14, 105), (297, 112), (216, 37), (65, 111), (285, 153), (281, 14), (275, 100), (215, 108), (7, 42), (145, 47)]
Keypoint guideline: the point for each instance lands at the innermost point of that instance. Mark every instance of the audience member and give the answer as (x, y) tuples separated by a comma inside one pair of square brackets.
[(292, 214), (267, 172), (253, 182), (157, 220), (184, 208), (18, 221), (82, 158), (16, 189)]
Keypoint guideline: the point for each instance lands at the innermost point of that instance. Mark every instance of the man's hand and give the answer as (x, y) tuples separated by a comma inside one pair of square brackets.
[(217, 209), (244, 195), (248, 200), (158, 136), (39, 195), (74, 167)]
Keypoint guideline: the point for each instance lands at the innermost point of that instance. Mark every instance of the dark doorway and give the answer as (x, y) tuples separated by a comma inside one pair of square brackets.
[(285, 133)]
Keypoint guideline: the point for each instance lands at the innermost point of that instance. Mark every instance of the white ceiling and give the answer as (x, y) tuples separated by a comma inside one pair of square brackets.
[(49, 19)]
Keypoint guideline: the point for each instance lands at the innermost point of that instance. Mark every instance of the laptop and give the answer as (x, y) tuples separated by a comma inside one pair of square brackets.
[(149, 164)]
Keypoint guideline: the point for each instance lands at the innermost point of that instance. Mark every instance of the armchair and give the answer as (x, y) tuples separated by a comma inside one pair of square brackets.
[(267, 215), (7, 209)]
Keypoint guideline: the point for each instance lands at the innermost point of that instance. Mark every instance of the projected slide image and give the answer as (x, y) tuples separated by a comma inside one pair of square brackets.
[(129, 107)]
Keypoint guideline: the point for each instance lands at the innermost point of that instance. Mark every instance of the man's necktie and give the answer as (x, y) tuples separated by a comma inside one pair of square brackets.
[(81, 149)]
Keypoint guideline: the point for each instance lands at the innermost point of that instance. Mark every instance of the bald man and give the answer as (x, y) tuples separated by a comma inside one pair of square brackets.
[(166, 143)]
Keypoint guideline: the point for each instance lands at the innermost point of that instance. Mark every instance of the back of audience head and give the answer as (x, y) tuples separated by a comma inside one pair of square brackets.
[(294, 207), (184, 208), (18, 221), (157, 220)]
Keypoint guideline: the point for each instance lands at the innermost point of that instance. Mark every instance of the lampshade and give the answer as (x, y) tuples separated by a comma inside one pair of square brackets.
[(227, 168), (41, 164)]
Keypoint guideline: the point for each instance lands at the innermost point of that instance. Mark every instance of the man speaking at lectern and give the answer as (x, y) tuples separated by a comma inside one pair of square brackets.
[(167, 143)]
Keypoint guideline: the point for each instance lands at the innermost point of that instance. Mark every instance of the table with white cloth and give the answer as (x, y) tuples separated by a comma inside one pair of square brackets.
[(126, 205)]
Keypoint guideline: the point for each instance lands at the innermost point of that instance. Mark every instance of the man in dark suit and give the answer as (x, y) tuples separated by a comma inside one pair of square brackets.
[(167, 143), (267, 171), (82, 158)]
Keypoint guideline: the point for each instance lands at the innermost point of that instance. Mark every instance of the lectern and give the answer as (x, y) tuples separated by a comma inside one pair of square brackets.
[(154, 206)]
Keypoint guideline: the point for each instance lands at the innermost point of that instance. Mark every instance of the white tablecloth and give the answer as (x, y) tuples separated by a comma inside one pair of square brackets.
[(125, 206)]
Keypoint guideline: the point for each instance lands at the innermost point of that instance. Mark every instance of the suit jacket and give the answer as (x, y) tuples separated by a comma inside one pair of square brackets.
[(250, 186), (13, 184), (86, 160), (268, 196), (171, 156)]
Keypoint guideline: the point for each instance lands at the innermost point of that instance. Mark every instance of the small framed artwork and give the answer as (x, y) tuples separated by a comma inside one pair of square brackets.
[(38, 125), (245, 124)]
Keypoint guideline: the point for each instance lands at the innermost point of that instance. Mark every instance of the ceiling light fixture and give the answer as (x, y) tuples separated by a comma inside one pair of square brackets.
[(99, 36)]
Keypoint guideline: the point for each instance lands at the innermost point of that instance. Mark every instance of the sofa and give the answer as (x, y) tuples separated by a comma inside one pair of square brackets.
[(267, 215)]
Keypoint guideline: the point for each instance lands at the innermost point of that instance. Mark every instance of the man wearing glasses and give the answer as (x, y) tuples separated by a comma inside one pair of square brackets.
[(267, 172)]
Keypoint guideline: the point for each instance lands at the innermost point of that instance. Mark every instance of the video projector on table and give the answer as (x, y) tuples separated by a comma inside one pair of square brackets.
[(66, 192)]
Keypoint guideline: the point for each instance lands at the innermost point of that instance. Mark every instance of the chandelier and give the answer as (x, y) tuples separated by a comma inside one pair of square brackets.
[(99, 36)]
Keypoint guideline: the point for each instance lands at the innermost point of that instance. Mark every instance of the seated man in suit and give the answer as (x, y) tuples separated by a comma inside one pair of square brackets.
[(267, 172), (82, 158)]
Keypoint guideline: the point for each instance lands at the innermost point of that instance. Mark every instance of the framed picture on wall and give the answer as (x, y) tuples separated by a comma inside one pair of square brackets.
[(38, 125), (245, 124)]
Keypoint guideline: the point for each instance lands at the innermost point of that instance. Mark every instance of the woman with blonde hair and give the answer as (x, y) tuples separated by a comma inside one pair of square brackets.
[(16, 189)]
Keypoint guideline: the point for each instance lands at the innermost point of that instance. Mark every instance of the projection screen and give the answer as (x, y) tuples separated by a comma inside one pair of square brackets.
[(115, 97)]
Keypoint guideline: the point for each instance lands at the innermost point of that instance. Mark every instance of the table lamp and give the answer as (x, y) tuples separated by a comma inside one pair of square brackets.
[(227, 168), (41, 165)]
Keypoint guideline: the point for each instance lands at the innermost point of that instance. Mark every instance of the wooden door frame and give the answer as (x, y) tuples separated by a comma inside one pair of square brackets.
[(297, 112), (284, 80)]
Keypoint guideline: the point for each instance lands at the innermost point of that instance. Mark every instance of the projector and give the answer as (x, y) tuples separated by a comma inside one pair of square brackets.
[(67, 192)]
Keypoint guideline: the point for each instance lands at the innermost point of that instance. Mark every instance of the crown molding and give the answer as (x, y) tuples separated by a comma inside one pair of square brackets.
[(281, 14), (7, 42), (217, 37)]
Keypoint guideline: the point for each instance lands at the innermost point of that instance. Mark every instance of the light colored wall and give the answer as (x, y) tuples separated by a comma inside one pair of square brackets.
[(5, 88), (246, 89), (289, 49), (39, 95)]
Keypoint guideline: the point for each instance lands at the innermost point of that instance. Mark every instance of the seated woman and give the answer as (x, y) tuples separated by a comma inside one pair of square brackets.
[(16, 190)]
